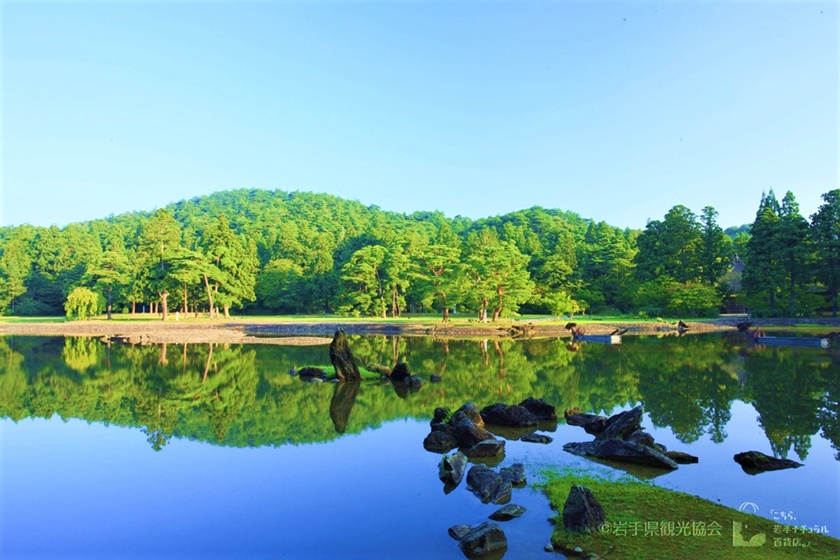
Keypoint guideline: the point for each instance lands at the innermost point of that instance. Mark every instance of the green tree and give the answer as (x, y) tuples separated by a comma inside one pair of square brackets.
[(110, 270), (792, 247), (763, 273), (236, 263), (160, 241), (715, 250), (362, 277), (15, 267), (437, 271), (83, 303), (825, 235), (671, 247)]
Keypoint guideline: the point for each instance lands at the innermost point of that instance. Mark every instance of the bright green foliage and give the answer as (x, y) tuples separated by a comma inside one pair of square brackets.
[(793, 247), (363, 282), (291, 253), (110, 271), (15, 265), (279, 286), (498, 276), (160, 243), (671, 247), (605, 268), (825, 233), (716, 252), (83, 303), (235, 262), (439, 281), (777, 253)]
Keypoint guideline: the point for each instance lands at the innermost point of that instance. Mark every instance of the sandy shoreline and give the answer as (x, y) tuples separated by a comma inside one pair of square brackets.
[(255, 331)]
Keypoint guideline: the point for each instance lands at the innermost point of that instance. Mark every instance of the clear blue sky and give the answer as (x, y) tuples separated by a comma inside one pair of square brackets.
[(616, 111)]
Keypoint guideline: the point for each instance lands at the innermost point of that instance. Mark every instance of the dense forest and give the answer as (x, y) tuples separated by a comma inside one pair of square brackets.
[(275, 252)]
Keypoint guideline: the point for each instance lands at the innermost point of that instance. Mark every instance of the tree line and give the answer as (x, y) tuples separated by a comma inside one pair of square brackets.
[(291, 253)]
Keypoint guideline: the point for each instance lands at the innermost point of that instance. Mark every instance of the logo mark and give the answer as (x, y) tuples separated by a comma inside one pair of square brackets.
[(738, 539), (753, 507)]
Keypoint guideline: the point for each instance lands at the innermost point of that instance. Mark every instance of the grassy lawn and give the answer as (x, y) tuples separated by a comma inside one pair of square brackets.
[(648, 522)]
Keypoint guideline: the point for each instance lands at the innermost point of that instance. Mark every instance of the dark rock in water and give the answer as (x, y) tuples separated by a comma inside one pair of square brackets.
[(641, 437), (307, 372), (468, 432), (592, 423), (482, 540), (342, 359), (660, 447), (582, 513), (536, 438), (435, 378), (440, 441), (457, 532), (486, 448), (488, 485), (515, 474), (508, 512), (441, 415), (413, 382), (622, 451), (468, 410), (621, 425), (514, 416), (754, 462), (681, 458), (451, 469), (400, 372), (539, 408)]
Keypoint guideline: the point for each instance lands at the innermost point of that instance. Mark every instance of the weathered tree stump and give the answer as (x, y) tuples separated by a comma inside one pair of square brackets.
[(342, 359)]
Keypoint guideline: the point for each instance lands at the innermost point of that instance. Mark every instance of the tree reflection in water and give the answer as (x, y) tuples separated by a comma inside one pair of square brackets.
[(243, 396)]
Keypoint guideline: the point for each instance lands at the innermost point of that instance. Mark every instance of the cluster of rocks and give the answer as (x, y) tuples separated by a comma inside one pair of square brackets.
[(466, 427), (621, 438), (489, 486)]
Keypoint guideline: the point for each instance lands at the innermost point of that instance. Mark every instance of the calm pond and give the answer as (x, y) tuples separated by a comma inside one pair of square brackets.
[(193, 451)]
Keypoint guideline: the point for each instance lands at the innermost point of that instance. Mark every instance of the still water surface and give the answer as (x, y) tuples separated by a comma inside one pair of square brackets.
[(193, 451)]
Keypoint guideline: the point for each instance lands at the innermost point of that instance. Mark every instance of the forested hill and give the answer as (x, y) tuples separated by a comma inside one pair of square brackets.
[(279, 252)]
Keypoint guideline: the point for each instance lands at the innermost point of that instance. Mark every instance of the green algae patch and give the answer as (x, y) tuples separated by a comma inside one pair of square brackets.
[(644, 521)]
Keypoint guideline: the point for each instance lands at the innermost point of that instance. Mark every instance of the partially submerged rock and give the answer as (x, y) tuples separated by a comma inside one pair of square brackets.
[(440, 441), (534, 437), (591, 423), (451, 469), (680, 457), (342, 359), (488, 485), (468, 410), (482, 540), (486, 448), (457, 532), (582, 513), (754, 462), (400, 372), (508, 512), (514, 473), (308, 372), (541, 409), (513, 416), (622, 425), (623, 451)]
